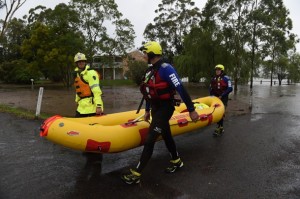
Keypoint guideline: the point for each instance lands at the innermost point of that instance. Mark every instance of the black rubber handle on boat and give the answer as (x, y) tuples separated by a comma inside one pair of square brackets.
[(140, 106), (138, 119)]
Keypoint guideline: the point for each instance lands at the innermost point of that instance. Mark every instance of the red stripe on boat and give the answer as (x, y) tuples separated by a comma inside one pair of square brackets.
[(203, 117), (92, 145), (210, 119), (73, 133), (182, 122), (143, 134)]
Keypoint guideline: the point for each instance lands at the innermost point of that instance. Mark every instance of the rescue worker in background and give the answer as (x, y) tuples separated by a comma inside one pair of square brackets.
[(88, 92), (89, 103), (220, 86), (159, 86)]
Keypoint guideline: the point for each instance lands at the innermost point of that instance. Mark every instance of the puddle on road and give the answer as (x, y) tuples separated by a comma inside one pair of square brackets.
[(256, 117)]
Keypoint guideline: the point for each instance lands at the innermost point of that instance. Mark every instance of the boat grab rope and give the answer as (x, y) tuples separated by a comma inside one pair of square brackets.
[(201, 117), (135, 120)]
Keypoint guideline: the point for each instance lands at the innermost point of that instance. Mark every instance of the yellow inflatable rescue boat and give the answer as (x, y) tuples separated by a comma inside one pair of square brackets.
[(122, 131)]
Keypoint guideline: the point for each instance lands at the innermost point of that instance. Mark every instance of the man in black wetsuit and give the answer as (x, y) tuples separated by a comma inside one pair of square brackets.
[(159, 86)]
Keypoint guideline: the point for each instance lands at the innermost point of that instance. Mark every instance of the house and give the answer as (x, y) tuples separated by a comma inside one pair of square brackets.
[(115, 67), (110, 67)]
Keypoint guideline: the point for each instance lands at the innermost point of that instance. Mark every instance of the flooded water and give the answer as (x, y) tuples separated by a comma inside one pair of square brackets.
[(276, 99), (124, 98), (118, 99), (62, 101), (264, 99)]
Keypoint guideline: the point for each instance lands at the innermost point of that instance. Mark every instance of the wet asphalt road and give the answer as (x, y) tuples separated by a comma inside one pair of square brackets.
[(258, 157)]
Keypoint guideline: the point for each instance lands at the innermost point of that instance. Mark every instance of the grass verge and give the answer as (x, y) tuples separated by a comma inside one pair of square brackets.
[(26, 114), (21, 113)]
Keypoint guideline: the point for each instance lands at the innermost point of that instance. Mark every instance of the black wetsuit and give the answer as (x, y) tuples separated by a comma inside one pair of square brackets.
[(161, 112)]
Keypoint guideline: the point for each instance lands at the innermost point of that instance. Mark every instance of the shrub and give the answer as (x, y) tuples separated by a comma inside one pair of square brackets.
[(136, 71)]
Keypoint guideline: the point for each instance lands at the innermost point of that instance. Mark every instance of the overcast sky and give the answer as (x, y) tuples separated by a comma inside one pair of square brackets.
[(141, 12)]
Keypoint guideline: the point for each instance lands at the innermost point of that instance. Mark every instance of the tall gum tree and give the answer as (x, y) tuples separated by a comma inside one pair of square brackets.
[(232, 16), (95, 15), (277, 38), (53, 39), (203, 48), (174, 20), (10, 8)]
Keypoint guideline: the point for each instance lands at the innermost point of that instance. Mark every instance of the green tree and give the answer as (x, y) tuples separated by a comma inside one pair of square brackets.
[(18, 71), (137, 70), (293, 74), (174, 20), (201, 53), (243, 28), (234, 17), (12, 41), (94, 17), (277, 39), (12, 66), (53, 42), (204, 47), (35, 47)]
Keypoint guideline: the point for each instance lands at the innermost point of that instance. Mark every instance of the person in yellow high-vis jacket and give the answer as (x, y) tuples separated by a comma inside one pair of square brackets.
[(88, 91)]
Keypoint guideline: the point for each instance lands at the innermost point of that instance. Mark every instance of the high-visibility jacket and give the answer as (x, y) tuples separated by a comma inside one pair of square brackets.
[(88, 92)]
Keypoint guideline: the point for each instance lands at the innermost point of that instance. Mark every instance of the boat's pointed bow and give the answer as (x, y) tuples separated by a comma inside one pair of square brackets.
[(46, 124)]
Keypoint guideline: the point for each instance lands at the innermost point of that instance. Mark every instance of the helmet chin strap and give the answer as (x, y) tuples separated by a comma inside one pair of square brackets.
[(150, 55), (81, 69)]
